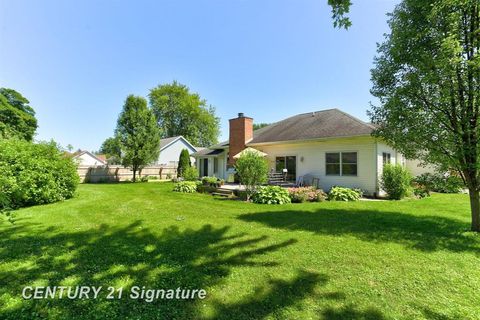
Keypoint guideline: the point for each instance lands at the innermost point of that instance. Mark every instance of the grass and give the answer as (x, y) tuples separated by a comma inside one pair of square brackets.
[(409, 259)]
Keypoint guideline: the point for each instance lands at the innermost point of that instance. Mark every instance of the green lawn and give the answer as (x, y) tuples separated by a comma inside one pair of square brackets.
[(365, 260)]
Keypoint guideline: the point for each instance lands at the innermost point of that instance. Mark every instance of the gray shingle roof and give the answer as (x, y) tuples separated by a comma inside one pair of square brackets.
[(166, 141), (207, 152), (330, 123)]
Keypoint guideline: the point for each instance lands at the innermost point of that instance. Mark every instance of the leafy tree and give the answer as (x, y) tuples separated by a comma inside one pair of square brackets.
[(427, 78), (138, 134), (260, 125), (180, 112), (17, 118), (252, 170), (183, 162), (112, 149), (340, 9)]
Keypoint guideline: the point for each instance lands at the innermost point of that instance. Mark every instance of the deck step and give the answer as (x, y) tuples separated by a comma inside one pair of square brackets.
[(222, 194)]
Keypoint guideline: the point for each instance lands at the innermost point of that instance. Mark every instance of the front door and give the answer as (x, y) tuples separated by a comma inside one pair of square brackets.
[(205, 167), (289, 163)]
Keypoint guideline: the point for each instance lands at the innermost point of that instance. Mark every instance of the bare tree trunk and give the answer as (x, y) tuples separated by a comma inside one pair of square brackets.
[(475, 208), (134, 172)]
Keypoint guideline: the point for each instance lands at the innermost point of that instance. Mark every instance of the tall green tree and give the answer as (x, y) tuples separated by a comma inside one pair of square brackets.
[(17, 118), (427, 79), (138, 134), (112, 149), (183, 162), (180, 112)]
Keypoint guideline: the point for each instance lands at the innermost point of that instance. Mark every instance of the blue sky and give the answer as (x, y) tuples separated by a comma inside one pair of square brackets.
[(76, 61)]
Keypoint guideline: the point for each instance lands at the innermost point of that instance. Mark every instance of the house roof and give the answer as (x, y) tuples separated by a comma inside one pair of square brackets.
[(164, 143), (99, 158), (331, 123), (205, 152)]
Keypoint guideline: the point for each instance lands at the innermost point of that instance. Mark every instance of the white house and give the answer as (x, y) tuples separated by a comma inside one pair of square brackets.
[(86, 158), (330, 145), (170, 149)]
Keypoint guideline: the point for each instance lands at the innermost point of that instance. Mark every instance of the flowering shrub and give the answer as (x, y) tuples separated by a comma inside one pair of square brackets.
[(304, 194), (271, 195)]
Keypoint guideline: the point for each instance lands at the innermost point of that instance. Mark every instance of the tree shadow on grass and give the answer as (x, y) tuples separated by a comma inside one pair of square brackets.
[(425, 233), (135, 256)]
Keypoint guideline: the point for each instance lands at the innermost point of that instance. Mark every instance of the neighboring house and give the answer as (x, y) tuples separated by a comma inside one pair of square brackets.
[(86, 158), (170, 149), (330, 145)]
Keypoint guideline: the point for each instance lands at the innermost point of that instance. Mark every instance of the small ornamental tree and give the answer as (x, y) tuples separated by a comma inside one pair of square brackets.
[(138, 134), (252, 170), (183, 162)]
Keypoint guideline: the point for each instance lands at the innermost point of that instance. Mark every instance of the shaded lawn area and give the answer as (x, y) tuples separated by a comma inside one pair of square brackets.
[(332, 260)]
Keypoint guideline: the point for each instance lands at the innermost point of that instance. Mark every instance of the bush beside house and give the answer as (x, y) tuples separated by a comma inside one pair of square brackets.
[(304, 194), (396, 181), (190, 174), (439, 183), (344, 194), (271, 195), (185, 186)]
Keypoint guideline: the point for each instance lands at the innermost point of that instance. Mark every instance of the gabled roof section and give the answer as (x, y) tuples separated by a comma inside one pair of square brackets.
[(331, 123), (77, 154), (164, 143)]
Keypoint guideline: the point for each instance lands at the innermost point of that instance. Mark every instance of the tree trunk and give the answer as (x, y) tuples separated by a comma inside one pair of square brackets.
[(134, 173), (475, 207)]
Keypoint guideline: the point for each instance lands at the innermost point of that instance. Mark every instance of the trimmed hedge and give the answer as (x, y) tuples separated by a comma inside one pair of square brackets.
[(34, 173)]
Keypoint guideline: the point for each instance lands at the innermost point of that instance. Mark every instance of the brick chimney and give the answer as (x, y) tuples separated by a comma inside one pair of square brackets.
[(241, 131)]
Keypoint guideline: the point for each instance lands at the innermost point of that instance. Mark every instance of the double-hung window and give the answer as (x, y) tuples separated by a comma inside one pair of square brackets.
[(386, 157), (341, 163)]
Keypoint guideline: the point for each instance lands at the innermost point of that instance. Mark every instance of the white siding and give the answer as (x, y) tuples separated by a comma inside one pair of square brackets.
[(87, 160), (395, 156), (220, 172), (171, 153), (311, 160), (416, 169)]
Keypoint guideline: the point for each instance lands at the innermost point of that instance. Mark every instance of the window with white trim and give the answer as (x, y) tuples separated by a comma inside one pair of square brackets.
[(341, 163), (386, 158)]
